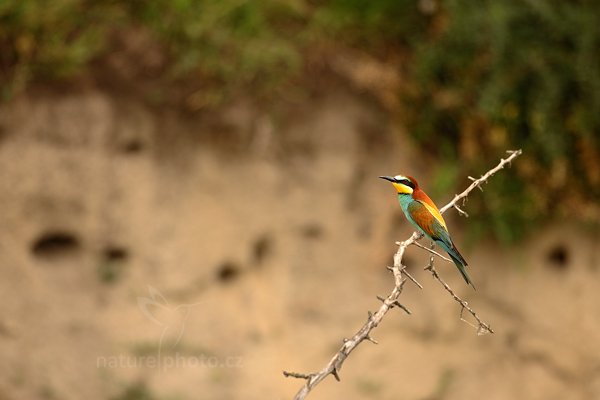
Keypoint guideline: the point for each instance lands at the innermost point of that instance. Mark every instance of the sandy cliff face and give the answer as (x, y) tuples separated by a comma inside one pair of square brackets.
[(197, 257)]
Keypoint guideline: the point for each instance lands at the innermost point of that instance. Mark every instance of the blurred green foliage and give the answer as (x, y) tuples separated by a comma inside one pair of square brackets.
[(231, 42), (135, 391), (482, 76), (49, 39), (516, 74)]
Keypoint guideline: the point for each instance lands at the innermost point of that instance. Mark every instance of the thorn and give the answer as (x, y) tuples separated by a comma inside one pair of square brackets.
[(297, 375), (395, 303), (460, 211), (406, 310), (370, 314), (483, 330), (370, 339), (412, 279), (335, 374), (471, 178), (402, 306)]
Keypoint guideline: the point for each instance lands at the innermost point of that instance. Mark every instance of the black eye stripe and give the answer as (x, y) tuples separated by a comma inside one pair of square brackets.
[(407, 182)]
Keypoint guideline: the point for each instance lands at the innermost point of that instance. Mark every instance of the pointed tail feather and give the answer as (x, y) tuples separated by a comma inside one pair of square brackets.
[(458, 259), (463, 271)]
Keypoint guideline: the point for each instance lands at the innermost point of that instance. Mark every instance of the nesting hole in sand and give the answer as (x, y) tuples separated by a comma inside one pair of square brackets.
[(116, 254), (228, 271), (312, 231), (132, 147), (110, 269), (558, 256), (55, 244), (262, 248)]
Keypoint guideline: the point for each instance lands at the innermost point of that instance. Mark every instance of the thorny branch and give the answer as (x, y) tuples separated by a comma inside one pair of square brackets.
[(482, 327), (392, 300), (478, 182)]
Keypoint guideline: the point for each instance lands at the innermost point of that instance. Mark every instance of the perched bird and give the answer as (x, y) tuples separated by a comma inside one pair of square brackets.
[(420, 210)]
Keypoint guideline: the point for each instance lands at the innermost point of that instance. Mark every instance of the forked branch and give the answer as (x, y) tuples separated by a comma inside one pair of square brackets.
[(392, 300)]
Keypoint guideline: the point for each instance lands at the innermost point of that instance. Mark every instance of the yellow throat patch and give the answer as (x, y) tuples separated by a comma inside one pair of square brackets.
[(402, 188)]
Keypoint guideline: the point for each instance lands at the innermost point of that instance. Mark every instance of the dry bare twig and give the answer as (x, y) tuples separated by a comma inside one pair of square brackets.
[(482, 327), (392, 300)]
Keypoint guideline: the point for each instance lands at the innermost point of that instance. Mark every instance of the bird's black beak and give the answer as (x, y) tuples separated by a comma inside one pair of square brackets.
[(388, 178)]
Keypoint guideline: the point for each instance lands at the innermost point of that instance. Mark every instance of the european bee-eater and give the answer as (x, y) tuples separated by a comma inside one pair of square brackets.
[(420, 211)]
